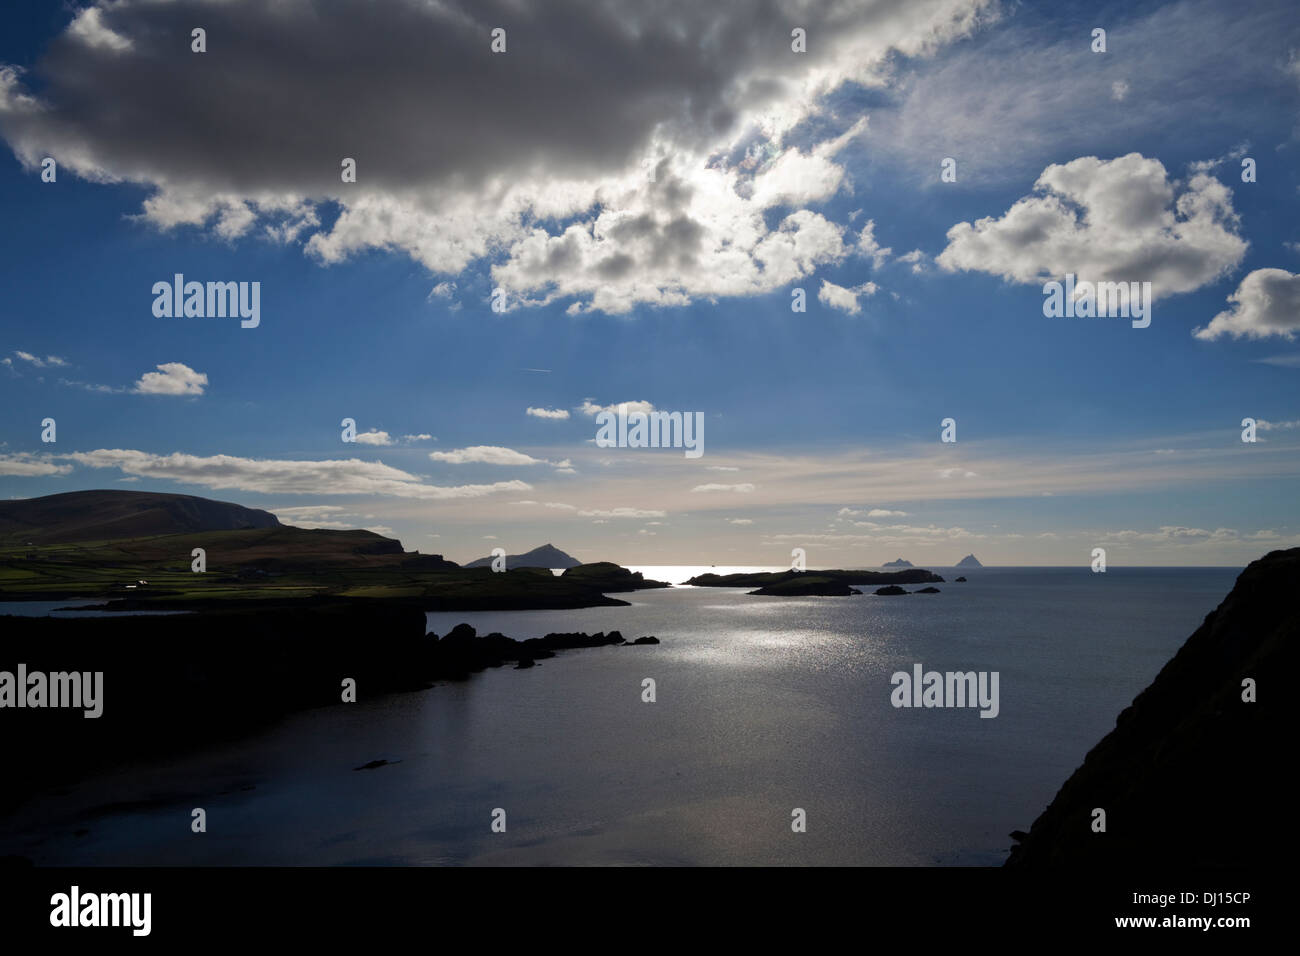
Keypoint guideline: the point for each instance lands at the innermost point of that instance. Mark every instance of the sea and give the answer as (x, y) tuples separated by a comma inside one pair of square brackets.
[(771, 738)]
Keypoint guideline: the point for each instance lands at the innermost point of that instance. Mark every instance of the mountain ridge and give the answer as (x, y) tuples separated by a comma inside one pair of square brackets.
[(112, 514)]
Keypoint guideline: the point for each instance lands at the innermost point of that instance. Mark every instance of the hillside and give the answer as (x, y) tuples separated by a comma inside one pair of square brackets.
[(112, 515), (1193, 774)]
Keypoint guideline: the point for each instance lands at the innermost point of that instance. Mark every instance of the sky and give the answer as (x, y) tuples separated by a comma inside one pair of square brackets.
[(625, 205)]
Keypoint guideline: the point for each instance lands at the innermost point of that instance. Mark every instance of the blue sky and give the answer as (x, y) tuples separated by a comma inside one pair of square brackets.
[(1072, 433)]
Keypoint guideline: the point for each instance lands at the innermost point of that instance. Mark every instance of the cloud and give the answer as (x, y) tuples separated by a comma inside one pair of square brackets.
[(721, 468), (485, 455), (1289, 360), (271, 476), (88, 28), (29, 466), (846, 300), (743, 488), (1266, 303), (590, 408), (324, 516), (1026, 92), (50, 361), (1107, 220), (1172, 534), (622, 513), (92, 387), (1275, 426), (172, 378), (554, 206), (374, 437), (742, 521), (551, 413), (916, 259), (870, 248), (870, 513), (423, 436)]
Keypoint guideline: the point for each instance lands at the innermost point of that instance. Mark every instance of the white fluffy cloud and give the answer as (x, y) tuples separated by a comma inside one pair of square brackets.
[(1107, 220), (743, 488), (374, 437), (549, 413), (28, 466), (846, 300), (1266, 303), (172, 378), (589, 407)]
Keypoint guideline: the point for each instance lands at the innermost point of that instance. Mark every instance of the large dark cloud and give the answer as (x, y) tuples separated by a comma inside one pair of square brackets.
[(460, 151)]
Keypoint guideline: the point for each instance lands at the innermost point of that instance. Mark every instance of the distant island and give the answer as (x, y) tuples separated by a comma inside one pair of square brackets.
[(547, 556), (828, 583), (970, 561), (897, 563)]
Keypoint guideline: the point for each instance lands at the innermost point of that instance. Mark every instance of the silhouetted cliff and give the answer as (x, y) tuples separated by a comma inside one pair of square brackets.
[(1193, 774)]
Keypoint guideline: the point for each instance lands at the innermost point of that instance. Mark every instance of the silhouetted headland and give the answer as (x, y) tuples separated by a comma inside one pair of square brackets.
[(1194, 773)]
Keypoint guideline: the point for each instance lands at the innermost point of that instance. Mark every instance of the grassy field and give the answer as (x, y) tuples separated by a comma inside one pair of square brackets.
[(284, 564)]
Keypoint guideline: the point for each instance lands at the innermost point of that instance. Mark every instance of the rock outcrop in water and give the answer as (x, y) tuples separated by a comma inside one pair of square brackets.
[(891, 590), (1194, 774), (807, 584)]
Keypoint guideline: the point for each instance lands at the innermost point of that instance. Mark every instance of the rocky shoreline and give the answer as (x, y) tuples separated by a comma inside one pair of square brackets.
[(172, 684)]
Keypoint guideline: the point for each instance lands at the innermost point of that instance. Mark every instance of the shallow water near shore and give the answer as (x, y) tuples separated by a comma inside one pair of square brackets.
[(763, 705)]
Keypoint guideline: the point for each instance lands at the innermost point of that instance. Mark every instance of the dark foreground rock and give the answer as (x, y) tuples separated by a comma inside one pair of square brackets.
[(1192, 774), (961, 579), (891, 591), (172, 684), (643, 640), (927, 591)]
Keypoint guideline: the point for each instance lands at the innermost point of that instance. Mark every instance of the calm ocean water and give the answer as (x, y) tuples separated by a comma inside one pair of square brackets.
[(763, 705)]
